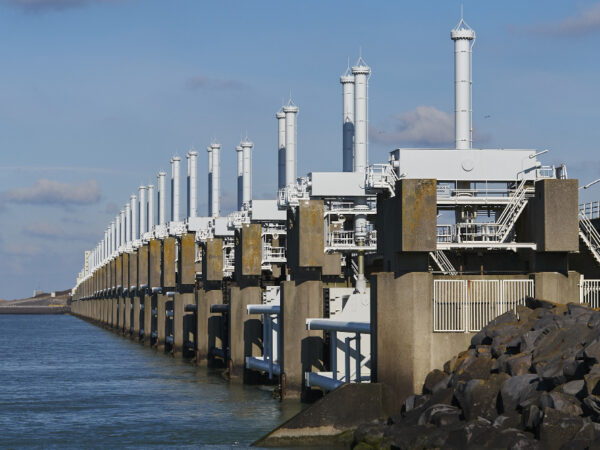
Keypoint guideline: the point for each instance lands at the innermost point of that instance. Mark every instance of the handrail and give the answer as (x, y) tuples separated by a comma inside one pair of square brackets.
[(338, 325)]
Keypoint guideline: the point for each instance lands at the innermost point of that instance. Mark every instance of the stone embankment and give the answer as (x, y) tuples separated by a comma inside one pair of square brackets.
[(530, 380)]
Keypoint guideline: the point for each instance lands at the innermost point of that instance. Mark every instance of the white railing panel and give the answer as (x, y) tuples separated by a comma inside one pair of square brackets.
[(589, 293)]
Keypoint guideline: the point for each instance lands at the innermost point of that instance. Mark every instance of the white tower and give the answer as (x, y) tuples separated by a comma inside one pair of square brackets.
[(143, 210), (134, 218), (240, 176), (123, 233), (247, 174), (210, 180), (175, 164), (193, 184), (290, 111), (280, 149), (117, 232), (162, 219), (151, 222), (128, 224), (464, 38), (347, 81), (216, 179), (361, 96)]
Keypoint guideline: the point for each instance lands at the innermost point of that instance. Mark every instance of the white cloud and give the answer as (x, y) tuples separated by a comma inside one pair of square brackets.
[(583, 22), (424, 126), (49, 192)]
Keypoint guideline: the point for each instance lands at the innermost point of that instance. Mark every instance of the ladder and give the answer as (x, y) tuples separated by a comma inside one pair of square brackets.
[(442, 261), (511, 213)]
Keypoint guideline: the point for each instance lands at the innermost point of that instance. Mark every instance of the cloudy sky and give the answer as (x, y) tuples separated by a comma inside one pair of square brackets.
[(97, 95)]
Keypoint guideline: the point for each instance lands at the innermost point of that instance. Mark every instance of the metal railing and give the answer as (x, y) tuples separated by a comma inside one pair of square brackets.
[(462, 306), (269, 362), (273, 254), (352, 372), (442, 261), (590, 236), (346, 240), (381, 176), (591, 210), (589, 293)]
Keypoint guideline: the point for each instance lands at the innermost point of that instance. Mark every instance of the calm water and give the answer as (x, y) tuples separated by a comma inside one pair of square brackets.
[(67, 383)]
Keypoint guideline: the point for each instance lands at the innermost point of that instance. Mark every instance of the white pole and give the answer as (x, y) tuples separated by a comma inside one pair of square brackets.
[(210, 180), (463, 37), (361, 72), (123, 239), (175, 188), (290, 144), (240, 177), (151, 222), (216, 180), (280, 149), (134, 217), (247, 174), (118, 232), (193, 193), (162, 216), (128, 224), (143, 210), (347, 81)]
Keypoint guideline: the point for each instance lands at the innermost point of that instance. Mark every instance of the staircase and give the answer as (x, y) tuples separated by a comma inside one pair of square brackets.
[(590, 236), (511, 213), (442, 261)]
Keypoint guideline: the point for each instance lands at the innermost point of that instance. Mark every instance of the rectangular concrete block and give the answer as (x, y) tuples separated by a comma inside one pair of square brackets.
[(305, 234), (133, 269), (208, 325), (126, 271), (168, 262), (557, 287), (147, 300), (161, 320), (248, 250), (154, 263), (417, 199), (212, 260), (119, 271), (245, 331), (187, 256), (143, 265), (136, 317)]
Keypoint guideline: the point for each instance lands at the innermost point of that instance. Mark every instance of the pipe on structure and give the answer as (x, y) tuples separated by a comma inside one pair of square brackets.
[(210, 180), (122, 240), (347, 81), (162, 219), (240, 176), (280, 149), (247, 174), (361, 75), (464, 38), (175, 164), (216, 180), (290, 111), (143, 210), (134, 218), (151, 222), (192, 183), (117, 232)]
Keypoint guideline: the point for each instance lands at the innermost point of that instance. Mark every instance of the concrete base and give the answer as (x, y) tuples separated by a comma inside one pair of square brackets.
[(208, 325), (161, 318), (147, 319), (245, 331), (557, 287)]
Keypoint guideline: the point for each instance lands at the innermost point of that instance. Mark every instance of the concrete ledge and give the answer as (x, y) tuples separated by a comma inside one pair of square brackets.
[(330, 422)]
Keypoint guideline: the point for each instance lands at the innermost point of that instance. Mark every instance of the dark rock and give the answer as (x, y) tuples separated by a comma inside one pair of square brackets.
[(518, 364), (440, 415), (575, 369), (531, 418), (481, 338), (473, 368), (552, 372), (413, 402), (432, 379), (506, 343), (511, 420), (370, 433), (535, 303), (592, 405), (591, 380), (517, 389), (594, 321), (592, 351), (558, 428), (499, 364), (443, 384), (574, 388), (418, 436), (564, 403), (478, 398), (528, 340)]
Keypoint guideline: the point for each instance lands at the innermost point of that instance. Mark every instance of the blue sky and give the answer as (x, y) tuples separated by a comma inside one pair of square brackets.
[(97, 95)]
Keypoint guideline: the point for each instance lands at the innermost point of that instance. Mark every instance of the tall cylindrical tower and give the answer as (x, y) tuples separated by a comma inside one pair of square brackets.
[(128, 223), (464, 38), (193, 184), (290, 111), (151, 219), (347, 81), (117, 232), (210, 180), (216, 180), (240, 177), (247, 175), (175, 164), (134, 218), (143, 210), (280, 149), (113, 237), (162, 219), (123, 232), (361, 97)]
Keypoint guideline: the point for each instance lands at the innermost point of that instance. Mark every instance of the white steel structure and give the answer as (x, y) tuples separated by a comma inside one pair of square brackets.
[(240, 177), (192, 157), (281, 173), (143, 210), (347, 82), (175, 184), (215, 179), (247, 172), (290, 111), (361, 74)]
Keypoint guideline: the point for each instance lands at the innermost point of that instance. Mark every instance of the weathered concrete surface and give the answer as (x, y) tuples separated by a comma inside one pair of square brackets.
[(143, 266), (154, 258), (330, 421), (248, 248), (168, 263), (245, 331), (556, 287), (161, 319), (305, 240), (187, 256), (212, 260), (302, 349), (147, 299), (208, 324), (136, 317)]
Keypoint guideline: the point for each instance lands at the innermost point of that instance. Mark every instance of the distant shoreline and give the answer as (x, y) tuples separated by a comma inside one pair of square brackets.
[(34, 309)]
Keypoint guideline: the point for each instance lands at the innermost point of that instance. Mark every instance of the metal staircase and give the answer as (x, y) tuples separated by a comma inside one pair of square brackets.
[(442, 261), (511, 213), (382, 177), (590, 236)]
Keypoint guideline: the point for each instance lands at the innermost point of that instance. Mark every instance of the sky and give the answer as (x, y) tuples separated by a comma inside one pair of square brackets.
[(96, 96)]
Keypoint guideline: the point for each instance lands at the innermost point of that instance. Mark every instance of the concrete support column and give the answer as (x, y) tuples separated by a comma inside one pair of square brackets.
[(120, 309), (127, 315), (147, 319), (208, 325), (245, 331), (557, 287), (302, 349), (178, 311), (161, 317), (136, 317)]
